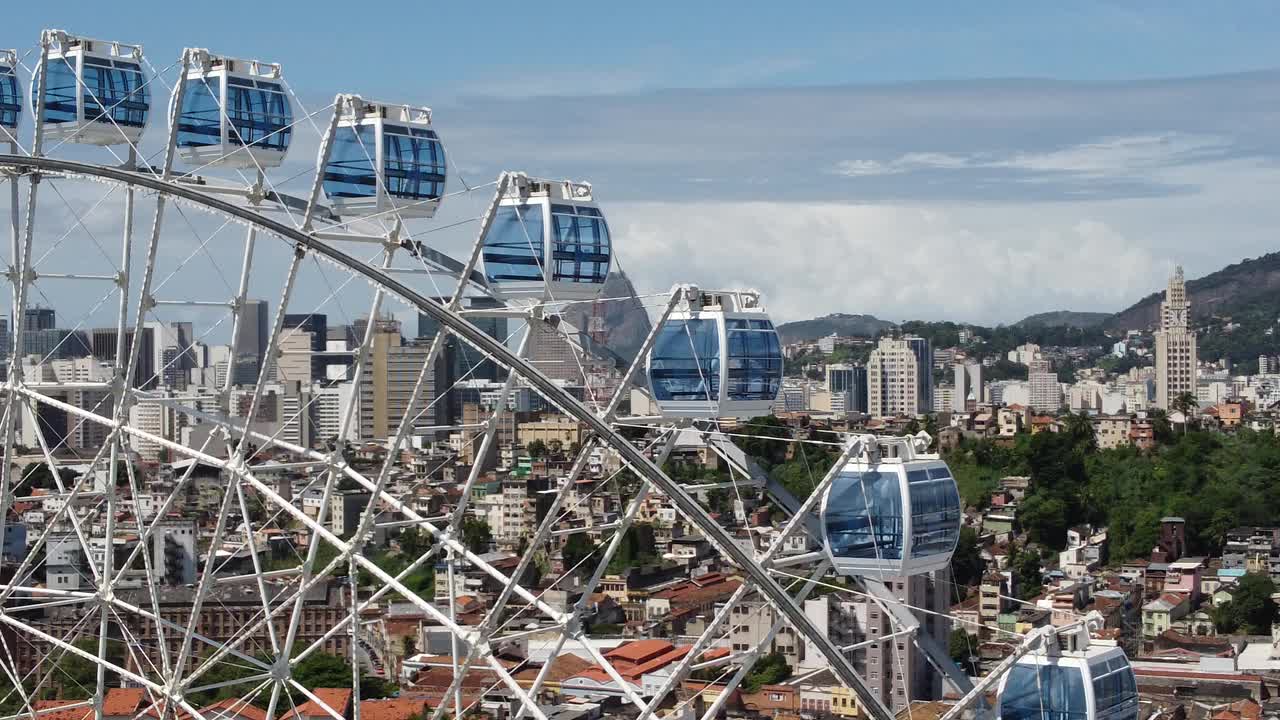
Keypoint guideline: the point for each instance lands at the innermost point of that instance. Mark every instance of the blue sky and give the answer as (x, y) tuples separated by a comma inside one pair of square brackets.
[(453, 49), (974, 162)]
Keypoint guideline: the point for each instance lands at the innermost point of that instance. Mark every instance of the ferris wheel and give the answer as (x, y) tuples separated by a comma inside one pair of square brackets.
[(173, 234)]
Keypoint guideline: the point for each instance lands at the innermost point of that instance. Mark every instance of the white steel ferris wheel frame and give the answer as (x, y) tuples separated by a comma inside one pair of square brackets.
[(306, 240)]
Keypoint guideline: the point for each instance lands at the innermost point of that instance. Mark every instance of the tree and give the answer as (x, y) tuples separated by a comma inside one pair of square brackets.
[(1250, 610), (967, 565), (576, 549), (1079, 426), (1186, 404), (963, 648), (321, 669), (37, 475), (77, 676), (536, 448), (476, 535), (636, 548), (770, 669), (1026, 570)]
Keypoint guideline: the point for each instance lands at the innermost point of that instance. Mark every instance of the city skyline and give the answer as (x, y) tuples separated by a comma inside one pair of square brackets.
[(238, 487)]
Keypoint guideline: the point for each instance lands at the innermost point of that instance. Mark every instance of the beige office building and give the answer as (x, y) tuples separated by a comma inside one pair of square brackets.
[(1175, 345)]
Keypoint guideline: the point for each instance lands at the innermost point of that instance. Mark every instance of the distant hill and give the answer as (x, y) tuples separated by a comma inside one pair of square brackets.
[(838, 323), (1065, 318), (1231, 290)]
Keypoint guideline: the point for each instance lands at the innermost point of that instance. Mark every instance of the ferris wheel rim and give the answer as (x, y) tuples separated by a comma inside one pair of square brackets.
[(766, 584)]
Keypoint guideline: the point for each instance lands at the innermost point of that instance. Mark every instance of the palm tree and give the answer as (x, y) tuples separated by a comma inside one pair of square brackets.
[(1080, 427), (1185, 403)]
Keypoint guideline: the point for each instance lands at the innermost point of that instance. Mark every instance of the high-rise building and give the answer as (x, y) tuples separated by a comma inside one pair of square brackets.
[(251, 343), (386, 385), (102, 343), (296, 349), (331, 404), (967, 390), (1175, 345), (1043, 387), (893, 382), (895, 670), (173, 353), (318, 325), (849, 382), (923, 350), (551, 352), (39, 318)]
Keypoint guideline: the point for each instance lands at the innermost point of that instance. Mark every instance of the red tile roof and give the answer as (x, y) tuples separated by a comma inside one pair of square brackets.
[(391, 709), (637, 651), (118, 702), (563, 667), (233, 708), (339, 699)]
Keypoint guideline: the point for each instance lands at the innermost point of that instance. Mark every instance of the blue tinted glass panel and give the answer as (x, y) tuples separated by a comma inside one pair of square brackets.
[(199, 124), (580, 245), (755, 364), (349, 172), (513, 245), (260, 114), (10, 102), (413, 162), (115, 93), (60, 90), (684, 364), (1044, 692), (935, 514), (864, 516), (1115, 694)]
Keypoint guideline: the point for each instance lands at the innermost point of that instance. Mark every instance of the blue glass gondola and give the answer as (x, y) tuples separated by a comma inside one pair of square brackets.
[(891, 511), (548, 241), (718, 356), (95, 91), (1092, 684), (10, 98), (384, 158), (235, 113)]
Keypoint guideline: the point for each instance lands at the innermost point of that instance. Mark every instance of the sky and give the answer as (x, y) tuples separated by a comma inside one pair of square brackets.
[(935, 161)]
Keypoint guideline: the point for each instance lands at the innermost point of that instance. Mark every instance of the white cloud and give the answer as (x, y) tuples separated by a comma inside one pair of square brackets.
[(1109, 157), (896, 262)]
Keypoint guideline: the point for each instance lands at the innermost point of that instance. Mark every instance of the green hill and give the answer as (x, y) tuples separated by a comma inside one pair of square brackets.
[(1064, 318), (838, 323)]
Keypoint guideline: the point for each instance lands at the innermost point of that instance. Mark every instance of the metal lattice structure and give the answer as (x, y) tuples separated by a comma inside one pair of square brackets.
[(121, 450)]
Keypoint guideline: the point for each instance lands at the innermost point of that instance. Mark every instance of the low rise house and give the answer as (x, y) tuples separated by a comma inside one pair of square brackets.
[(1160, 614)]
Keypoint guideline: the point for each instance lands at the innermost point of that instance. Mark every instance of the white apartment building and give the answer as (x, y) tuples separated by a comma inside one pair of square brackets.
[(1043, 388), (1024, 354), (893, 379)]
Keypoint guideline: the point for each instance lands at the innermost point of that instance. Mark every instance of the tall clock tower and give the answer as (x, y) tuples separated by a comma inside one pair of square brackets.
[(1175, 345)]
